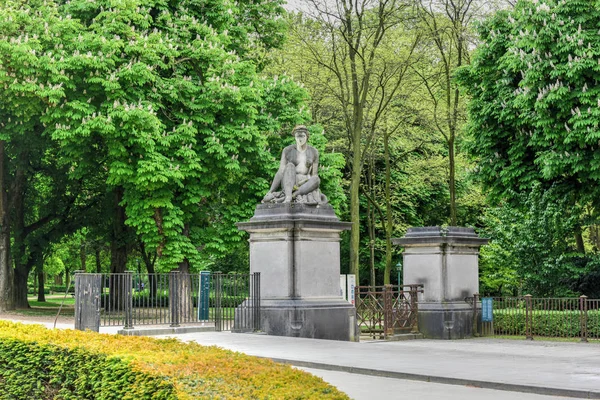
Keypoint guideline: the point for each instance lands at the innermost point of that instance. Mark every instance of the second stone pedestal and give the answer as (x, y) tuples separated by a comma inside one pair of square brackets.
[(445, 261), (296, 249)]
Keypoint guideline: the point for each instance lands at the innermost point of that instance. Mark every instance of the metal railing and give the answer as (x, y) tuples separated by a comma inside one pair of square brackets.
[(577, 317), (229, 301), (383, 311)]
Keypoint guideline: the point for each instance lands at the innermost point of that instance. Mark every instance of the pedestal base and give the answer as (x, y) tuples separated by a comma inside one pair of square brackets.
[(446, 320), (332, 319), (296, 249)]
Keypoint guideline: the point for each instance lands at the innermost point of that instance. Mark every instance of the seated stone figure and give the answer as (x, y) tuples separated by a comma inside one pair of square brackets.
[(297, 177)]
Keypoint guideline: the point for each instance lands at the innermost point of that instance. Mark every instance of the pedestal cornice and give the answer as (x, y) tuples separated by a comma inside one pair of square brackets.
[(293, 216), (436, 236)]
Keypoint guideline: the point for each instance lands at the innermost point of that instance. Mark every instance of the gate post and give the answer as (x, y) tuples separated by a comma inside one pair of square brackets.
[(218, 294), (414, 308), (475, 316), (174, 298), (528, 317), (583, 308), (87, 301), (128, 299), (256, 301), (388, 315)]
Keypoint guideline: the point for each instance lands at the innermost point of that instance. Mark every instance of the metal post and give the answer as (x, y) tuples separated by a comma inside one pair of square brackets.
[(475, 316), (414, 308), (583, 308), (256, 301), (128, 299), (528, 317), (174, 298), (218, 293), (388, 315)]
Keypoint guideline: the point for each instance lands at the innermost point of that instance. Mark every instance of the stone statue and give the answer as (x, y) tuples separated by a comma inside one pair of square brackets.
[(297, 176)]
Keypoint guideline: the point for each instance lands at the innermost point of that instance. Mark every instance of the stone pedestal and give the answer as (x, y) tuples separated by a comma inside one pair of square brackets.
[(446, 263), (296, 249)]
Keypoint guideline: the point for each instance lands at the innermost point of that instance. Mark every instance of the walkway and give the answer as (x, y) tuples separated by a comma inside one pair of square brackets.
[(548, 368)]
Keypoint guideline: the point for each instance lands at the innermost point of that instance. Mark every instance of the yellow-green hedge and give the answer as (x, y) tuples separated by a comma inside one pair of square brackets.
[(38, 363)]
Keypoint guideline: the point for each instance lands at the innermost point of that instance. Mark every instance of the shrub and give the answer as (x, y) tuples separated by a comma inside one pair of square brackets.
[(547, 323), (62, 288), (45, 364)]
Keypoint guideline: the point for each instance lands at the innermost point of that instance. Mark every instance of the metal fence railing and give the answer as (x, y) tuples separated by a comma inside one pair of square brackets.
[(383, 311), (229, 301), (527, 316)]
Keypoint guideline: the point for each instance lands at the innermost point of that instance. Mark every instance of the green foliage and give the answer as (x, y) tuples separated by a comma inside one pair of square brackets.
[(161, 99), (44, 371), (38, 363), (534, 110), (547, 323), (529, 252)]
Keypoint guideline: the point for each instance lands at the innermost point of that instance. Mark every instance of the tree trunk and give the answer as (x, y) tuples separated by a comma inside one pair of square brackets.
[(83, 256), (452, 183), (118, 253), (388, 211), (98, 261), (186, 304), (118, 244), (149, 263), (40, 279), (579, 240), (355, 207), (21, 257), (6, 270), (20, 288)]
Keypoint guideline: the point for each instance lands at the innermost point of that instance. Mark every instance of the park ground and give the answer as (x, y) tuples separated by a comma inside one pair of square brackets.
[(497, 369)]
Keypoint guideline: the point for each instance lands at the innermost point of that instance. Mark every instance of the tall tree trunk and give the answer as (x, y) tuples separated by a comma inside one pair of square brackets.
[(355, 209), (186, 304), (21, 257), (388, 210), (98, 261), (579, 240), (6, 270), (118, 251), (452, 182), (118, 244), (40, 279), (149, 263), (83, 256)]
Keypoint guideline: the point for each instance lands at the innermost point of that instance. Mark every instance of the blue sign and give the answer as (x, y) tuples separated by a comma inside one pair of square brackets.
[(203, 296), (487, 309)]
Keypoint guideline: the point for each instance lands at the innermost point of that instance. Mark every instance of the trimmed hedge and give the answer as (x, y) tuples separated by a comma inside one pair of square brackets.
[(547, 323), (38, 363)]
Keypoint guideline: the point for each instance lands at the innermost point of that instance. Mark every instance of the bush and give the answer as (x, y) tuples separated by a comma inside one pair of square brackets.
[(30, 291), (62, 288), (547, 323), (43, 364)]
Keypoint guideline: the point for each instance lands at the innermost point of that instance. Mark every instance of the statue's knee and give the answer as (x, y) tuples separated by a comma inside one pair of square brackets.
[(317, 180), (290, 165)]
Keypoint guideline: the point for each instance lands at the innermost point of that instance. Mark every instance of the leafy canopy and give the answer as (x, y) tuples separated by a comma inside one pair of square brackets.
[(535, 98)]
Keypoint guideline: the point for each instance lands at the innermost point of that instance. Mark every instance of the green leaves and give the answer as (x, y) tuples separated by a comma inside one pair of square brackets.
[(535, 105)]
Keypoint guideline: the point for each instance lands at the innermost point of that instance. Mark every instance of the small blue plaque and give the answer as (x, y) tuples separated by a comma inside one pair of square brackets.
[(487, 309)]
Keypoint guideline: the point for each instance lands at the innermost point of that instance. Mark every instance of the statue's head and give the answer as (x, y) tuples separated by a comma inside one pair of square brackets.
[(301, 128)]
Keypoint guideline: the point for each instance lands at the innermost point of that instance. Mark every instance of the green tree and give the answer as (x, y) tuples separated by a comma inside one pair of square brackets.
[(534, 108), (357, 82)]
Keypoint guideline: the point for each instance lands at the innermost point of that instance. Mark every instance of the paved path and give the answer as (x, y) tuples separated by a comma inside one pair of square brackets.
[(548, 368), (471, 369)]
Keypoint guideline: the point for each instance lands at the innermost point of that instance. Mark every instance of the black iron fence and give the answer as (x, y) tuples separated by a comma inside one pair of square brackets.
[(384, 311), (527, 316), (227, 301)]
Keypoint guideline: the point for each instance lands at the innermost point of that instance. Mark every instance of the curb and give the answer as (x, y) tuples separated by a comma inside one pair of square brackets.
[(165, 331), (509, 387)]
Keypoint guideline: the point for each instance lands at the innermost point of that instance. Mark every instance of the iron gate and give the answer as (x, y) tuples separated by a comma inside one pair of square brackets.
[(383, 311), (227, 301)]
